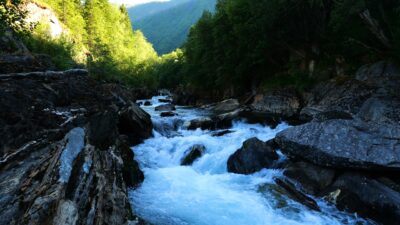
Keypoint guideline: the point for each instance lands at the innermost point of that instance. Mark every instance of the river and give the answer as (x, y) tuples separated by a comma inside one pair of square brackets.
[(205, 193)]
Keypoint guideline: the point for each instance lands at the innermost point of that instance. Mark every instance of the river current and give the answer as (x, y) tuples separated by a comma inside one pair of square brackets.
[(205, 193)]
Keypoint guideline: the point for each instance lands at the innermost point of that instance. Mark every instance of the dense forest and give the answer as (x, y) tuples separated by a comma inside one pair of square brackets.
[(259, 44), (167, 24)]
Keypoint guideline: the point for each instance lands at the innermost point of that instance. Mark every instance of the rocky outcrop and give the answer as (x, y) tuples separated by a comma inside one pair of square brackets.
[(135, 124), (253, 156), (192, 154), (344, 144), (64, 159), (346, 97)]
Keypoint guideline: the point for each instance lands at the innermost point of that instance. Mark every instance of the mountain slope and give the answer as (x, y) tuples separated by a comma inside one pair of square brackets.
[(167, 27)]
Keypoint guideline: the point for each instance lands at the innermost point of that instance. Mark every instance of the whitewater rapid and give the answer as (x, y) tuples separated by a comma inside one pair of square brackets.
[(205, 193)]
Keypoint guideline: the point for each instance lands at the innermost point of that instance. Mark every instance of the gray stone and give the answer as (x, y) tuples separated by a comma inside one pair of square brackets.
[(344, 144)]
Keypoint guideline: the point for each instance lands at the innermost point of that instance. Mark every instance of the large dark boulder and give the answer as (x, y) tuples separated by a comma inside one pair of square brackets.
[(344, 144), (253, 156), (381, 110), (367, 197), (192, 154), (135, 123), (165, 107)]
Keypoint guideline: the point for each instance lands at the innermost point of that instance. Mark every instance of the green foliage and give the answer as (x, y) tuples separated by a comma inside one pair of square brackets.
[(249, 44), (167, 24), (11, 17)]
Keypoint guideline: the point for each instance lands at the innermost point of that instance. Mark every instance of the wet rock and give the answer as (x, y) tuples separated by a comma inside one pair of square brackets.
[(131, 172), (226, 105), (192, 154), (297, 195), (221, 133), (147, 103), (313, 179), (367, 197), (168, 114), (165, 100), (204, 123), (166, 107), (344, 144), (135, 123), (253, 156)]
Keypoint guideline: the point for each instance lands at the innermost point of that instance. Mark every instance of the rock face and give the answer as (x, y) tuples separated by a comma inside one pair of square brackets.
[(166, 107), (226, 106), (282, 103), (253, 156), (346, 97), (50, 176), (135, 124), (192, 154), (344, 144)]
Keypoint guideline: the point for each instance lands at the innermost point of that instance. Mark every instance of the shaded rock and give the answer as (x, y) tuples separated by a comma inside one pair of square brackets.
[(192, 154), (344, 144), (281, 103), (253, 156), (313, 179), (166, 107), (381, 110), (297, 195), (384, 75), (168, 114), (147, 103), (226, 105), (135, 123), (331, 115), (333, 96), (102, 129), (131, 172), (367, 197), (204, 123)]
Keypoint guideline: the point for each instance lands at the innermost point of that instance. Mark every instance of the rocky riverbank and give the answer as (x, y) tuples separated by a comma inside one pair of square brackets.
[(344, 145), (64, 149)]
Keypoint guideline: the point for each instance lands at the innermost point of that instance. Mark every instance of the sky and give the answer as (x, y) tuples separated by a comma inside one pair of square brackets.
[(135, 2)]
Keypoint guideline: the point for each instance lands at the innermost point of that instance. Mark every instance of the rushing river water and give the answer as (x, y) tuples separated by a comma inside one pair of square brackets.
[(205, 193)]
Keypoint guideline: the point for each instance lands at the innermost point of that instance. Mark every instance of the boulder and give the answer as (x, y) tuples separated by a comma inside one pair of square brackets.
[(280, 103), (313, 179), (168, 114), (165, 100), (193, 153), (344, 144), (204, 123), (367, 197), (253, 156), (147, 103), (221, 133), (134, 123), (226, 105), (166, 107)]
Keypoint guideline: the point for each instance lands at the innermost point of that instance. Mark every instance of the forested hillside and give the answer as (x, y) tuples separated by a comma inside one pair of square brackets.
[(166, 25), (261, 44), (85, 36)]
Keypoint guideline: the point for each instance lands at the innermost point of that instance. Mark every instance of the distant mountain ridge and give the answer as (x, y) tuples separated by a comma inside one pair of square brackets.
[(167, 24)]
